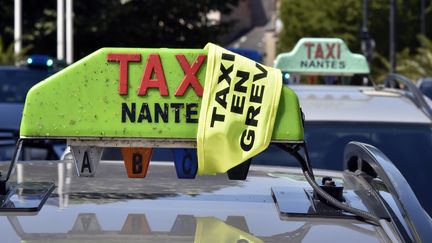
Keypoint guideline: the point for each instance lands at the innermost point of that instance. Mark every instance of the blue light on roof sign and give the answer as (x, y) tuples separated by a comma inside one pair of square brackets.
[(42, 61), (49, 62)]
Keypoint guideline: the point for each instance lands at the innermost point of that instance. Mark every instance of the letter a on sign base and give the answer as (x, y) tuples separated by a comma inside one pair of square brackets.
[(86, 159)]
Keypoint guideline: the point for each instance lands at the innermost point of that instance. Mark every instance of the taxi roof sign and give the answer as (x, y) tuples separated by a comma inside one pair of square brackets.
[(322, 56), (133, 93)]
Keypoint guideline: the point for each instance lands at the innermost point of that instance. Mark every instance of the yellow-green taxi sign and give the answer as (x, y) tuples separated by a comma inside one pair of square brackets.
[(322, 56), (133, 93)]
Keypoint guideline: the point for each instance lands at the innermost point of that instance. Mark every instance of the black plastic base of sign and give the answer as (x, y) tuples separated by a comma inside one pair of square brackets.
[(239, 172)]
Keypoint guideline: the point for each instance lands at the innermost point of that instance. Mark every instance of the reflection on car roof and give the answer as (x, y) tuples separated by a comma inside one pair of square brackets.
[(150, 216)]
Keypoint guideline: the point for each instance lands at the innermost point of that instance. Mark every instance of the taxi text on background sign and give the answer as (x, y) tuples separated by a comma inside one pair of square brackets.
[(323, 55)]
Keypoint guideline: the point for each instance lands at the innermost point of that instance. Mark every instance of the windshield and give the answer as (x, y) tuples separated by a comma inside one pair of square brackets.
[(14, 84), (402, 143), (408, 146)]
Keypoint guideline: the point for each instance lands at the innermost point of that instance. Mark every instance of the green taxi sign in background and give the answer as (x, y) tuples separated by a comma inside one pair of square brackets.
[(322, 56), (133, 93)]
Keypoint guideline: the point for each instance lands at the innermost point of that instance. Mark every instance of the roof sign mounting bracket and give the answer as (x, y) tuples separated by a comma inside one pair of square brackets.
[(25, 196)]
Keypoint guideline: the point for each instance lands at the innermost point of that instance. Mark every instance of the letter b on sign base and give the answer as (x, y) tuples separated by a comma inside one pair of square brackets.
[(136, 161)]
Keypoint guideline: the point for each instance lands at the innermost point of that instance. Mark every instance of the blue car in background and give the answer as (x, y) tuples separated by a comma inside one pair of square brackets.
[(15, 82), (425, 86)]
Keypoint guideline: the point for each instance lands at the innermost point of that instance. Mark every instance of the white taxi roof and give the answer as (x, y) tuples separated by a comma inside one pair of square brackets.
[(357, 104)]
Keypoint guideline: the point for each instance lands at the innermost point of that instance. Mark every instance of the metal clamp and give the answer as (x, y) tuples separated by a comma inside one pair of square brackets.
[(368, 161), (389, 82)]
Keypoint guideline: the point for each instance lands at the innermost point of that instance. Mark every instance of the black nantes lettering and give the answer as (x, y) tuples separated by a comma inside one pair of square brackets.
[(176, 108), (144, 113), (128, 113), (163, 114), (160, 113), (191, 113), (323, 64)]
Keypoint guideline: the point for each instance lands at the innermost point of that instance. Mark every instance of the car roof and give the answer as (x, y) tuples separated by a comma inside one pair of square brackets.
[(357, 104), (271, 198), (162, 208), (23, 68), (10, 67)]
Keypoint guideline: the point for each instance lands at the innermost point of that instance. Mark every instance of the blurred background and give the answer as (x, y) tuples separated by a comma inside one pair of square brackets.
[(393, 34), (39, 38)]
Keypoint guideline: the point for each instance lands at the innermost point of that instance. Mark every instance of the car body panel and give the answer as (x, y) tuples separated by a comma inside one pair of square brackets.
[(163, 208), (357, 104), (112, 207), (425, 86), (14, 84), (15, 81), (11, 116), (385, 118)]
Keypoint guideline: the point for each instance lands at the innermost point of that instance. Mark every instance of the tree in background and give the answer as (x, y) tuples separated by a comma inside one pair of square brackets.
[(319, 18), (145, 23), (343, 19), (7, 55), (412, 65), (127, 23), (38, 25)]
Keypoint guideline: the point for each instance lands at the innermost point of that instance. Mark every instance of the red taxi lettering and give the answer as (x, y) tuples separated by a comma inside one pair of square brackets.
[(153, 75), (153, 66), (322, 51), (190, 78), (330, 47), (319, 52), (309, 46), (124, 60)]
